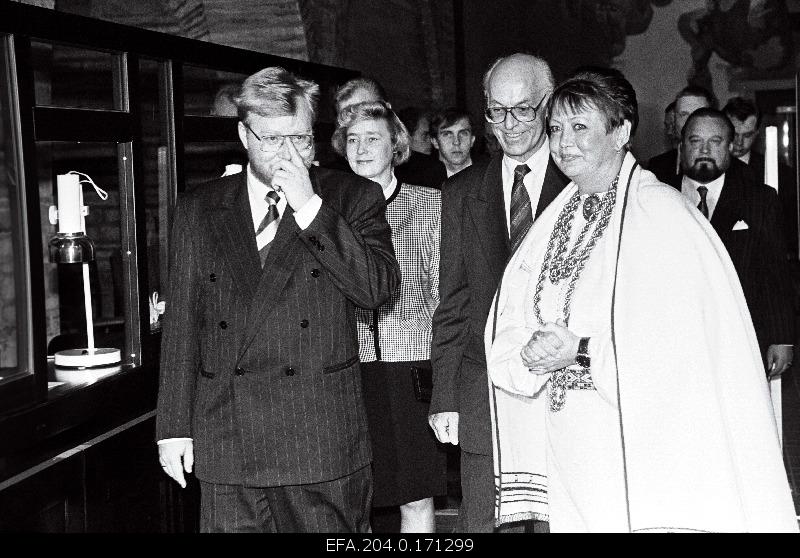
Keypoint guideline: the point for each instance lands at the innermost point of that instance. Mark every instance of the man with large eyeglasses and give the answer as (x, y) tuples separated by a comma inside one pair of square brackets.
[(487, 209), (260, 390)]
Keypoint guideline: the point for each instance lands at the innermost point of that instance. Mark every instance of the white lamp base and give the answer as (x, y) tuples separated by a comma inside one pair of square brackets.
[(87, 358)]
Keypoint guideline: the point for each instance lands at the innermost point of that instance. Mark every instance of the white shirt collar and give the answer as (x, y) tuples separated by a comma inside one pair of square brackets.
[(389, 189), (538, 160), (451, 173), (255, 185), (533, 180), (745, 158), (689, 189), (256, 192)]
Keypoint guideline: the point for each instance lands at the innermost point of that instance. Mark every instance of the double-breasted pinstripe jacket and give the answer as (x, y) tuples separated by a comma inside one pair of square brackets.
[(260, 367)]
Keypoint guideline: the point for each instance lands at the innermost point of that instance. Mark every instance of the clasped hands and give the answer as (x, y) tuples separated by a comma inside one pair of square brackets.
[(550, 348)]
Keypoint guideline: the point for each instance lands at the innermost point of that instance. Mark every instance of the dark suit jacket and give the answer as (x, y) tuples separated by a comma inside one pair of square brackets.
[(261, 368), (474, 252), (757, 253), (663, 166), (787, 196), (422, 170)]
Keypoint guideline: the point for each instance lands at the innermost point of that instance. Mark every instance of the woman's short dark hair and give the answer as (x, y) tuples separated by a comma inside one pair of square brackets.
[(373, 110), (603, 89)]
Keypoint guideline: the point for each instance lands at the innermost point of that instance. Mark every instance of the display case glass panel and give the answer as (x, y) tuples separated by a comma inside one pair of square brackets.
[(14, 320), (67, 76), (64, 282), (210, 92)]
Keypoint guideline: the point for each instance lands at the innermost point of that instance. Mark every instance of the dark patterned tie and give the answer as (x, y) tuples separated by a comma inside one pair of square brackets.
[(703, 205), (270, 219), (521, 215)]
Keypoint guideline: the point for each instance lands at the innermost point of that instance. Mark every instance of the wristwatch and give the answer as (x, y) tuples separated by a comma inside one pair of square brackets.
[(582, 358)]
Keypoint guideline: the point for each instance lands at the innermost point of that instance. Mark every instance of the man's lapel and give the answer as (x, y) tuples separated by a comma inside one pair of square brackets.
[(727, 211), (282, 260), (487, 210), (554, 182), (231, 224)]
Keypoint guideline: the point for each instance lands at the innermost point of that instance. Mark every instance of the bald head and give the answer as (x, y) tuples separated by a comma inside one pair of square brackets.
[(535, 68), (522, 82)]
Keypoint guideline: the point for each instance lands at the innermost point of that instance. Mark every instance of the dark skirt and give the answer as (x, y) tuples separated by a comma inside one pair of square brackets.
[(408, 463)]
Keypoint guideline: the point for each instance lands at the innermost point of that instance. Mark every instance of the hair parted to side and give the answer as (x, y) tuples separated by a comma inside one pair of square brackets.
[(698, 91), (448, 117), (742, 109), (602, 89), (346, 90), (712, 113), (375, 110), (275, 91), (537, 66)]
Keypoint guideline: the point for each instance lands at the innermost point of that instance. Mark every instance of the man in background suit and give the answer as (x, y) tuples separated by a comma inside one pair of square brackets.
[(746, 120), (745, 214), (666, 166), (422, 168), (486, 210), (452, 137), (260, 386)]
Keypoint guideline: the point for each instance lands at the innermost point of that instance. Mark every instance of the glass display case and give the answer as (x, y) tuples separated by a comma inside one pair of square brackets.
[(144, 115)]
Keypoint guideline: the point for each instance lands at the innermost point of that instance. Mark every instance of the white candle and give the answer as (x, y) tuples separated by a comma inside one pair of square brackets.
[(771, 157)]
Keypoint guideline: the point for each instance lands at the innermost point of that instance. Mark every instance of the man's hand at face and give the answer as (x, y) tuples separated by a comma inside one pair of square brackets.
[(291, 178)]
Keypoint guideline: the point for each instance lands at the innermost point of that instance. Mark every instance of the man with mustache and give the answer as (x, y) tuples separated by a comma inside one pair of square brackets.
[(745, 214), (666, 166)]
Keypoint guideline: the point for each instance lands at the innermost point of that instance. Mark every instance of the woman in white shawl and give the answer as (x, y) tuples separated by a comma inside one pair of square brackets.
[(627, 389)]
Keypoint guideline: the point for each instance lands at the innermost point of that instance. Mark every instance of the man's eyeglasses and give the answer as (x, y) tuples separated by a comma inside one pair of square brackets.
[(523, 113), (271, 143)]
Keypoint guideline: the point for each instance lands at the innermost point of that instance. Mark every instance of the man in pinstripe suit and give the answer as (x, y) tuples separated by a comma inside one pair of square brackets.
[(745, 213), (260, 386)]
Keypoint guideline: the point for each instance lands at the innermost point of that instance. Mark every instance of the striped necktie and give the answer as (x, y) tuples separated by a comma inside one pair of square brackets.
[(270, 220), (521, 215)]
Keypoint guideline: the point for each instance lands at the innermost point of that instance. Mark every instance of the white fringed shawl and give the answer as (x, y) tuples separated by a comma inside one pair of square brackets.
[(699, 440)]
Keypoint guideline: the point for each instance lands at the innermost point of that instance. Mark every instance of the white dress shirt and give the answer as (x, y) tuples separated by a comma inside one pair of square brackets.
[(689, 189), (533, 180), (451, 173), (389, 189)]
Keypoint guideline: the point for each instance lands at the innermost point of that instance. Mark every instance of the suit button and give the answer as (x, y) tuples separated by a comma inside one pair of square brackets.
[(312, 239), (315, 272), (303, 323), (372, 327), (290, 371), (239, 372), (223, 324), (212, 277), (321, 247)]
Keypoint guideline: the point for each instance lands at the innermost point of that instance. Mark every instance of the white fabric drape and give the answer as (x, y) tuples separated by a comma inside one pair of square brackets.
[(677, 368)]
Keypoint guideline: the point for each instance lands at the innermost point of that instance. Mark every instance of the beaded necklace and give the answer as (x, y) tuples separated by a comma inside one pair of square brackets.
[(558, 265)]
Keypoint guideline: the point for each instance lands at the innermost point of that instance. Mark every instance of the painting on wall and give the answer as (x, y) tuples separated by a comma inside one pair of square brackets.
[(756, 37), (612, 20)]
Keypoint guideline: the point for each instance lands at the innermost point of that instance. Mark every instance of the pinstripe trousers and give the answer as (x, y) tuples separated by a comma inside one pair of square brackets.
[(338, 506)]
